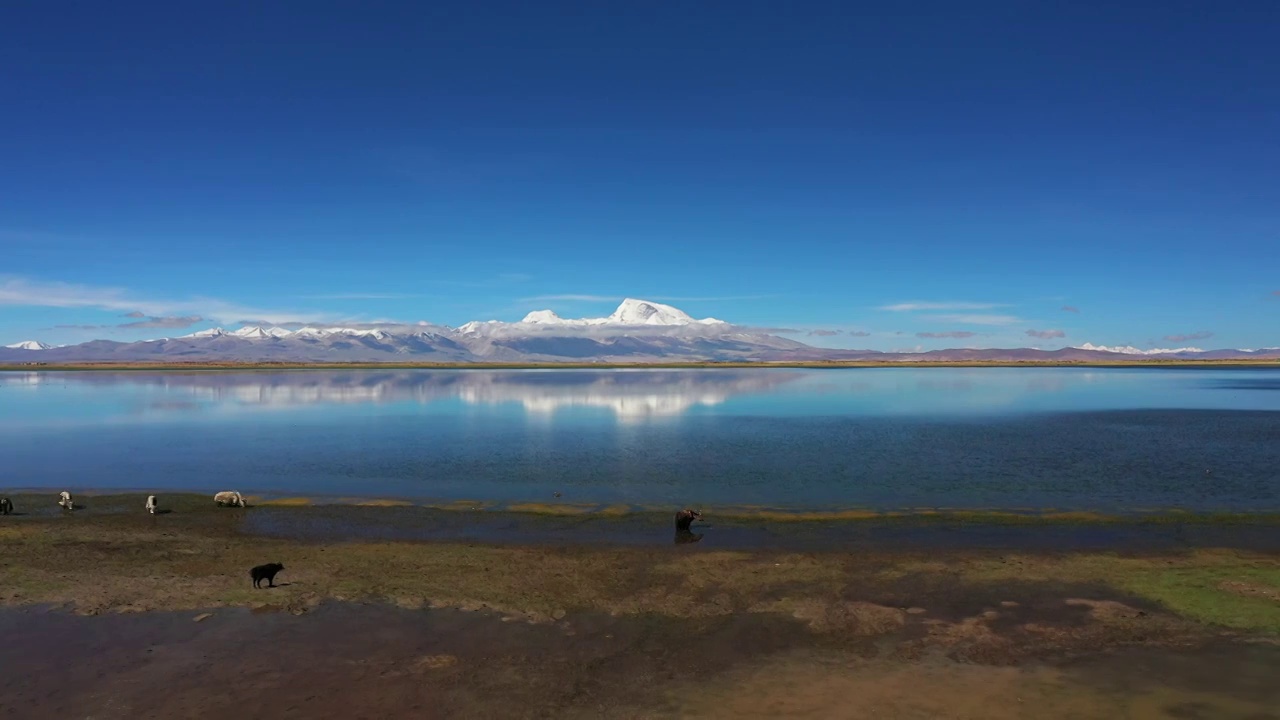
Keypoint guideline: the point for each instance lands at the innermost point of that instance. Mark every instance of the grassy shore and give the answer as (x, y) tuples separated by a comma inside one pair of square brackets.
[(114, 557), (259, 366), (396, 628)]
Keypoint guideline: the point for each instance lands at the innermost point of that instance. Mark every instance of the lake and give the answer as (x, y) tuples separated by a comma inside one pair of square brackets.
[(892, 438)]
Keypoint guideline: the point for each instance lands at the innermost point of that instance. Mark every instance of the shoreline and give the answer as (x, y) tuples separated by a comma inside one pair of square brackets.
[(549, 526), (117, 544), (572, 627), (810, 365), (115, 500)]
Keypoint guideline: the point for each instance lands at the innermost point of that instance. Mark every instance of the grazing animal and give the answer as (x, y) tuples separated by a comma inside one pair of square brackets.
[(6, 506), (151, 504), (64, 499), (265, 572), (684, 519), (229, 497)]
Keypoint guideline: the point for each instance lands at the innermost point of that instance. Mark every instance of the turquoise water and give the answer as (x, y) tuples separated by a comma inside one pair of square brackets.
[(1069, 438)]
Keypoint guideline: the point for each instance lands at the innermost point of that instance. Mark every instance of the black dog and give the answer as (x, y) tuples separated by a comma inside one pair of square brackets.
[(684, 519), (6, 506), (265, 572)]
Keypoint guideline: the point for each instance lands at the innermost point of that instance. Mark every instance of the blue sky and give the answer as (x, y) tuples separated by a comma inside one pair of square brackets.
[(977, 166)]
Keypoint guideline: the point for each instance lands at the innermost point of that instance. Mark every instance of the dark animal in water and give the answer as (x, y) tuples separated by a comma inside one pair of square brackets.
[(6, 506), (265, 572), (684, 519), (684, 537)]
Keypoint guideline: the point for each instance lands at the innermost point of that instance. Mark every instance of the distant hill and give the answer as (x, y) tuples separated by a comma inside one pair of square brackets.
[(639, 331)]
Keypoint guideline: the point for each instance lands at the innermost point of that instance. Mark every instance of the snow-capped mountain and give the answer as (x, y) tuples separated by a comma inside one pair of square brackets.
[(1131, 350), (639, 331), (258, 332), (29, 345), (643, 312), (630, 312)]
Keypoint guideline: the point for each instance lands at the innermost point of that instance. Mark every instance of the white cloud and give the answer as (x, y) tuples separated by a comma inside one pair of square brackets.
[(714, 298), (362, 296), (1201, 335), (978, 319), (513, 277), (35, 293), (914, 306), (572, 298), (499, 280)]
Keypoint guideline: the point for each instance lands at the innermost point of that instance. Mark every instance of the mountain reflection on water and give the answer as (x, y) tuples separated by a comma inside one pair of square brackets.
[(1067, 438), (630, 395)]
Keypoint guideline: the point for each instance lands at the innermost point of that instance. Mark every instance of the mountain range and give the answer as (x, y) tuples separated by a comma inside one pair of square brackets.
[(639, 331)]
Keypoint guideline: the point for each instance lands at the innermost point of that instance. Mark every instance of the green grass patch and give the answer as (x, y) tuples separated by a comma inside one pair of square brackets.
[(1239, 597), (1220, 587)]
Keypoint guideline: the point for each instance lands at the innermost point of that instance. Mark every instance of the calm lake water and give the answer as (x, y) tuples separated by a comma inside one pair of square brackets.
[(1068, 438)]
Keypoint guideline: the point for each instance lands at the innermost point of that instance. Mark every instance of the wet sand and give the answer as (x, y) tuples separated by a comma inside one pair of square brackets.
[(751, 529), (111, 613), (375, 661), (321, 519)]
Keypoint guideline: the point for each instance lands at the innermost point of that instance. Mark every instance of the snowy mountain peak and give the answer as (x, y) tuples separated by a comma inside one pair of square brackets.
[(30, 345), (211, 332), (1131, 350), (257, 332), (260, 333), (476, 326), (630, 312), (644, 312), (543, 317)]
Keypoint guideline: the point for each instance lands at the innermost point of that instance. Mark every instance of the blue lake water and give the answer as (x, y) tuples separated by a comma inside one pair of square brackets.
[(1067, 438)]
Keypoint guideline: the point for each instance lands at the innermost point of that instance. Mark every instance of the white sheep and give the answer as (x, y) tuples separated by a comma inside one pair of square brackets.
[(229, 497), (151, 504), (64, 499)]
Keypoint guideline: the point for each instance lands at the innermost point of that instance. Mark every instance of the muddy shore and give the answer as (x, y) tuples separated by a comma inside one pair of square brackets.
[(110, 612), (374, 661)]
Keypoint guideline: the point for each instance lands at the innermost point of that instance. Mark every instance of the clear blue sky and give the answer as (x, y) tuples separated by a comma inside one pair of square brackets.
[(799, 165)]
